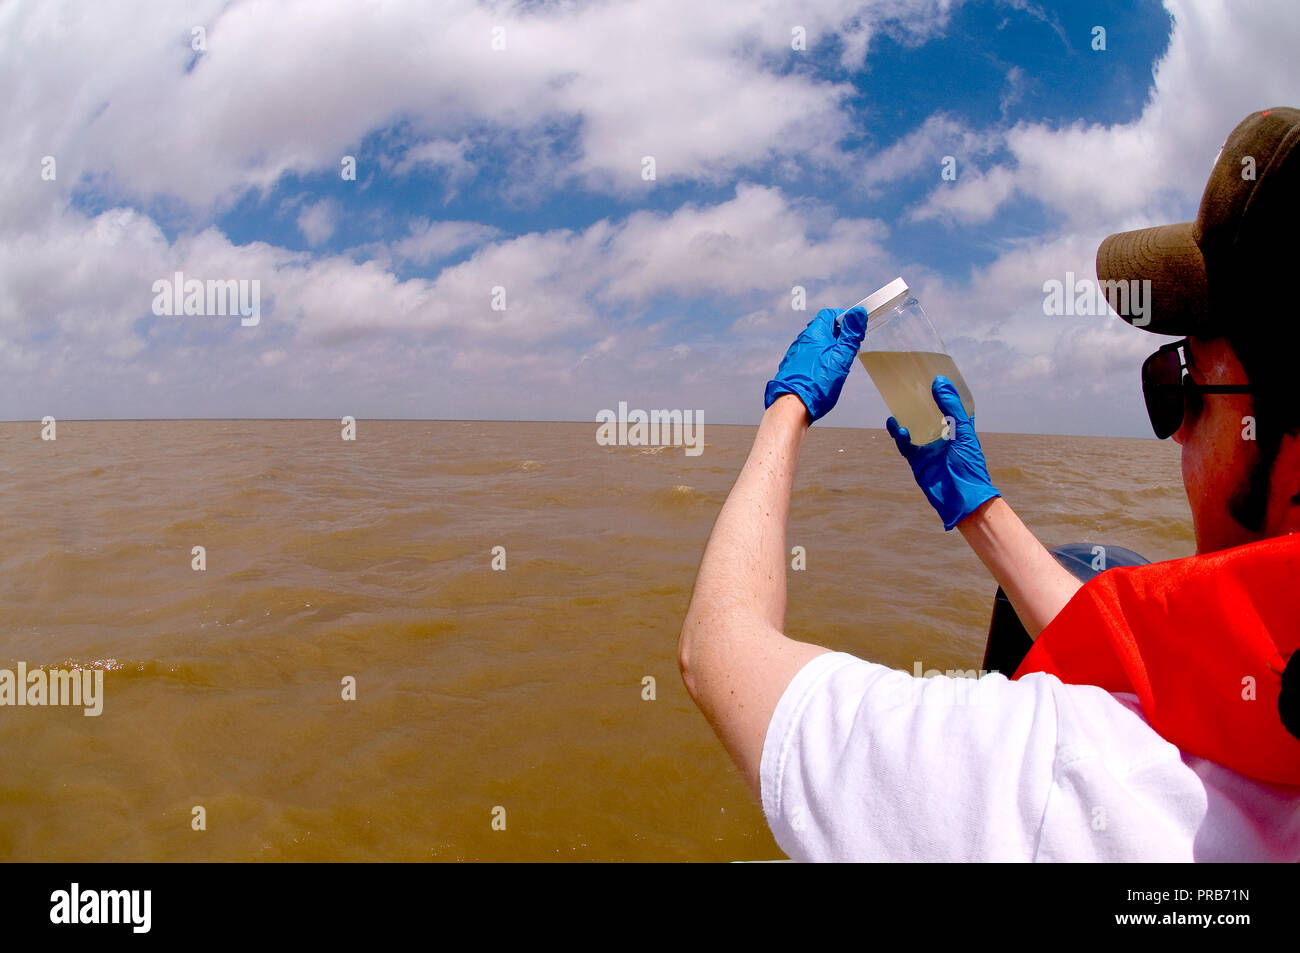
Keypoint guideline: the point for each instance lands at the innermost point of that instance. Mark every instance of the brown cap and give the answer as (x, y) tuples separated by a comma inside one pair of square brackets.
[(1241, 251)]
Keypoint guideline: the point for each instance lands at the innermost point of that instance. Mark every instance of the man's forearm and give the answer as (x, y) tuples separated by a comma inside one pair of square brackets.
[(734, 658), (743, 570), (1037, 585)]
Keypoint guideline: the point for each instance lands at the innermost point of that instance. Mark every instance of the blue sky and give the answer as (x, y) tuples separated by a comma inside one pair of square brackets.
[(521, 168)]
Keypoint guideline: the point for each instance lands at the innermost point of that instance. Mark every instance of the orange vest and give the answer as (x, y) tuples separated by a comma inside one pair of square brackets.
[(1200, 641)]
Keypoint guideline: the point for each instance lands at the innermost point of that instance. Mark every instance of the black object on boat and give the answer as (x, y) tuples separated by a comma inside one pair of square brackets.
[(1008, 641)]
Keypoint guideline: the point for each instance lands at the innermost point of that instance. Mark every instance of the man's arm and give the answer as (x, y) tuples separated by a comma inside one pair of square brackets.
[(734, 658), (954, 476), (1037, 585)]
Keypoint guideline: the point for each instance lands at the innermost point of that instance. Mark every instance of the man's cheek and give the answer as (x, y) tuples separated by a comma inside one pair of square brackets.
[(1189, 475), (1199, 484)]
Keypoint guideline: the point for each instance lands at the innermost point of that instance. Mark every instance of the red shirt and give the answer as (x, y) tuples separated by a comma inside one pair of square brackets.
[(1200, 641)]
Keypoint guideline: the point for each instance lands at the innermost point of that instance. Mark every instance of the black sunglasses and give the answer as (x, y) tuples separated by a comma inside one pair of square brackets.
[(1169, 390)]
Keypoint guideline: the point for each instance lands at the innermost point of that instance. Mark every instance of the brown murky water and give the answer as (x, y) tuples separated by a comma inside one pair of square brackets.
[(476, 689)]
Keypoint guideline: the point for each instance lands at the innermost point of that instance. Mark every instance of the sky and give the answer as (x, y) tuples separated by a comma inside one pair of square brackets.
[(561, 206)]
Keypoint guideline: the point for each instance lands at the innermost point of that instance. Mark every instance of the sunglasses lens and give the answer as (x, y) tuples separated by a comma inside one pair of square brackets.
[(1162, 388)]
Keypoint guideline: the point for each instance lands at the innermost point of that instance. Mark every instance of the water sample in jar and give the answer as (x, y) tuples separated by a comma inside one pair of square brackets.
[(904, 354)]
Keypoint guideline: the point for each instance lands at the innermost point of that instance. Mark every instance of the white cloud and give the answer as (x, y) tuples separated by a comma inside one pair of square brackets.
[(430, 241), (80, 284), (1013, 91), (1224, 61), (73, 279), (292, 86), (316, 222), (757, 241), (444, 154), (296, 84), (973, 198), (922, 150)]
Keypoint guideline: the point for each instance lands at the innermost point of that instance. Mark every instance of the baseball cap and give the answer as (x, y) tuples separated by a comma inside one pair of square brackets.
[(1237, 259)]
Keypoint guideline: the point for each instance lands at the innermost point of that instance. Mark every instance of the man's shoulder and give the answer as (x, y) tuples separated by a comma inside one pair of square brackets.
[(1051, 770), (1082, 731)]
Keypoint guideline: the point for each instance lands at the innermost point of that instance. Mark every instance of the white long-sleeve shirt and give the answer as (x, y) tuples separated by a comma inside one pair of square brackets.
[(864, 762)]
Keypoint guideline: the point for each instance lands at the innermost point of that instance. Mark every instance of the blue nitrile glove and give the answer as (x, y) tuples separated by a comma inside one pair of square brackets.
[(820, 358), (951, 470)]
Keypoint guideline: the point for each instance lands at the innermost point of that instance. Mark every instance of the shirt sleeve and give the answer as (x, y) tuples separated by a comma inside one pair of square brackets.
[(867, 763)]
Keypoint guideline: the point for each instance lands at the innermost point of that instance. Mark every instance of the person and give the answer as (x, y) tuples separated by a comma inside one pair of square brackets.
[(1149, 720)]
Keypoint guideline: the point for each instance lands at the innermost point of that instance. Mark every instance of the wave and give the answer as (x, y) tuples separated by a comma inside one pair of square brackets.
[(127, 668), (681, 498)]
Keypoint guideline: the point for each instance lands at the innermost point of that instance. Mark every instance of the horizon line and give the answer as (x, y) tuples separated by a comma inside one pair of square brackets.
[(496, 420)]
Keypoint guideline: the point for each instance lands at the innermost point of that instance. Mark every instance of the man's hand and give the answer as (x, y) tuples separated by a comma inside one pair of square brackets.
[(951, 471), (955, 479), (819, 360)]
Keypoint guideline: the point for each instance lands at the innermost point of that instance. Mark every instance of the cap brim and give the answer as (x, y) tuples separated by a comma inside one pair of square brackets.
[(1169, 258)]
